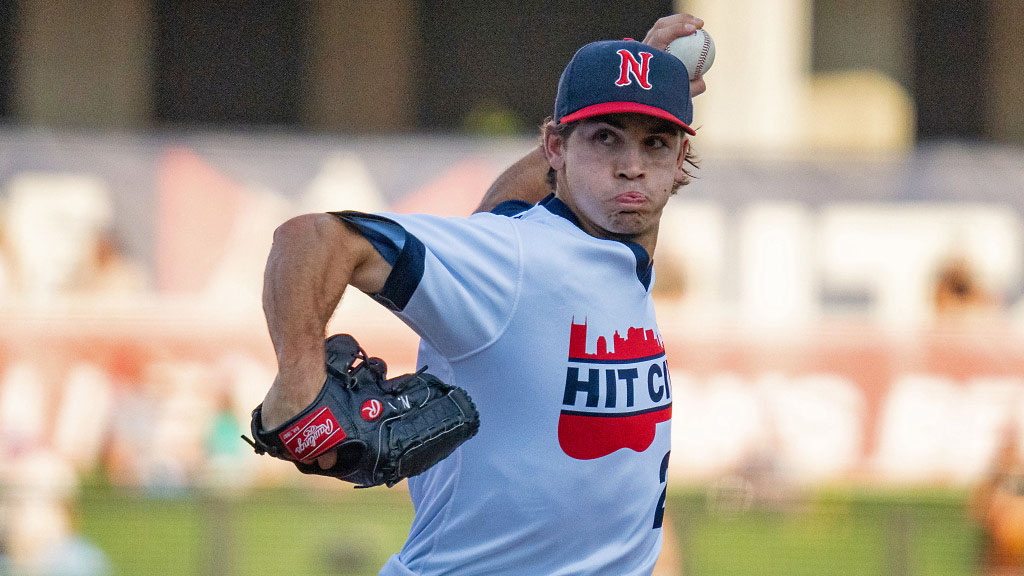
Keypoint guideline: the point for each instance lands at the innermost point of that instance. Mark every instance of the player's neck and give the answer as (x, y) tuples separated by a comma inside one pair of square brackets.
[(647, 239)]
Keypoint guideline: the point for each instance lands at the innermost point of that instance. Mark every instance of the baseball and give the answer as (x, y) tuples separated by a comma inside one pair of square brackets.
[(697, 51)]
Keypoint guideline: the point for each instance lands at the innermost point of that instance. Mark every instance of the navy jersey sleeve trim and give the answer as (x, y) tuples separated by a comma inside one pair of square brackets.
[(511, 207), (386, 236), (558, 208), (644, 265), (402, 250)]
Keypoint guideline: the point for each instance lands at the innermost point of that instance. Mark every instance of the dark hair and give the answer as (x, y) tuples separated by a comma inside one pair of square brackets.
[(566, 130)]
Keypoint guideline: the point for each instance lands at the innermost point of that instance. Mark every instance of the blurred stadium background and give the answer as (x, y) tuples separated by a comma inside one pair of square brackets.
[(841, 292)]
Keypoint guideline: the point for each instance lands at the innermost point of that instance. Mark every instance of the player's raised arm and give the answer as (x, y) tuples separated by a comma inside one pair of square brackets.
[(312, 260), (526, 180)]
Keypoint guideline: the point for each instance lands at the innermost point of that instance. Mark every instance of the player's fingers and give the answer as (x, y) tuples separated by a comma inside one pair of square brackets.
[(697, 86), (328, 460), (669, 28), (661, 38), (674, 20)]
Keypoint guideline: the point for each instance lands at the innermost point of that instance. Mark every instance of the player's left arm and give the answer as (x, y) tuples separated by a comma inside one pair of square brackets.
[(313, 259), (526, 180)]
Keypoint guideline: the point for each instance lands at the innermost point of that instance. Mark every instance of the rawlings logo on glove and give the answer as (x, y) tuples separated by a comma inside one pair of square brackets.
[(382, 430), (312, 437)]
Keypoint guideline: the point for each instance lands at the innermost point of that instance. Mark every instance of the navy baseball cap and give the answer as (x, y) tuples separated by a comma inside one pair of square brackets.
[(620, 76)]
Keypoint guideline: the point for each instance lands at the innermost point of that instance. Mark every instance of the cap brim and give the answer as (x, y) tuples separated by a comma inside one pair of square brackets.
[(624, 108)]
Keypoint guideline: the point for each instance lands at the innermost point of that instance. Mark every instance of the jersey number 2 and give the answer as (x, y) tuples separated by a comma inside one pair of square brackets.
[(659, 510)]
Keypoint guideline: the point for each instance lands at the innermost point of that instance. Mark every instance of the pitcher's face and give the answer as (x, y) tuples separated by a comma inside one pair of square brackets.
[(617, 172)]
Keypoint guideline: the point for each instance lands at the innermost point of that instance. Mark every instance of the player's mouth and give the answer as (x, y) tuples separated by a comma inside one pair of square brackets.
[(631, 198)]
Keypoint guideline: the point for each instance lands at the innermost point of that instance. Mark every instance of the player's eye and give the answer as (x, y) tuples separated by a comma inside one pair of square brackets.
[(604, 136), (656, 142)]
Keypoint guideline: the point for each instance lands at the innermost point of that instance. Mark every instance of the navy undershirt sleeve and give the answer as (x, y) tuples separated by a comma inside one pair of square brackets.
[(401, 249)]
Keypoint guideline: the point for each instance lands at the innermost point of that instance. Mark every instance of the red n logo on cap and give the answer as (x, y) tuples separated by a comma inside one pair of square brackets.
[(629, 66)]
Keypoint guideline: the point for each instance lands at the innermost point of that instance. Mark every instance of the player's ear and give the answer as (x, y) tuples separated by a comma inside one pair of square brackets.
[(554, 147), (681, 160)]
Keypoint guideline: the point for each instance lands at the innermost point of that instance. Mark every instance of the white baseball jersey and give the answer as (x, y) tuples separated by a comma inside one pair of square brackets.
[(553, 334)]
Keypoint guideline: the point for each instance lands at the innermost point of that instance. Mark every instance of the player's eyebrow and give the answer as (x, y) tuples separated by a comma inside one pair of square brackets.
[(611, 121), (662, 127)]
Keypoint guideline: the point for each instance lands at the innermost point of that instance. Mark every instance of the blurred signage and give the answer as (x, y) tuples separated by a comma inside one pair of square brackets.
[(841, 402), (837, 320)]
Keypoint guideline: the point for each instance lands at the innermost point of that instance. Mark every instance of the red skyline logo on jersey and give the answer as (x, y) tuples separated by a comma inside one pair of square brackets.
[(615, 396), (637, 344)]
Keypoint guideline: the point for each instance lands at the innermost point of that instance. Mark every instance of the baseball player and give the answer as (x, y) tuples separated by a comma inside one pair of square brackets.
[(524, 181), (543, 313)]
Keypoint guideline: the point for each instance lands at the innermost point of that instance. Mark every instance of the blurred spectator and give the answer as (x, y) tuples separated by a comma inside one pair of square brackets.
[(158, 429), (51, 223), (998, 506), (130, 434), (185, 405), (770, 486), (25, 395), (107, 270), (82, 415), (225, 464), (58, 232), (40, 532), (74, 555), (761, 480), (959, 291), (46, 542)]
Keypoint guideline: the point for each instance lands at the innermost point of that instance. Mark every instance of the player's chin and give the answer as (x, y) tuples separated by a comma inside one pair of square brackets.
[(630, 222)]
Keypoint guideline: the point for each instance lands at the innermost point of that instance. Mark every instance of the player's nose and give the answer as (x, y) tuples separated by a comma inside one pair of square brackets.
[(630, 162)]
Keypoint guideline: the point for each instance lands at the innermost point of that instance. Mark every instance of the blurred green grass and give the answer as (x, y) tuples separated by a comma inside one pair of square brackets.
[(352, 532), (834, 532), (281, 531)]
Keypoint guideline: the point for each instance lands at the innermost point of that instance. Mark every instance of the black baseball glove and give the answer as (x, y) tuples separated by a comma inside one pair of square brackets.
[(382, 430)]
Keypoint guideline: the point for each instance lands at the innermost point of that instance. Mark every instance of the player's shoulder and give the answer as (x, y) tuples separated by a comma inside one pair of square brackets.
[(438, 231), (520, 210), (482, 221), (499, 224)]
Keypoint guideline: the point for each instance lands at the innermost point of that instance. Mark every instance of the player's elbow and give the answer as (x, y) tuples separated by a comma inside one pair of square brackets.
[(306, 231)]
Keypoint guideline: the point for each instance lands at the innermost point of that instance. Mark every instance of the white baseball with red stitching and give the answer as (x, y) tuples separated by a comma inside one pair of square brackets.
[(697, 51)]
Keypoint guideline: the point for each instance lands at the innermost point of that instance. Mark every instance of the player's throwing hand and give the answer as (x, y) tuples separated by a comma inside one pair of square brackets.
[(667, 29)]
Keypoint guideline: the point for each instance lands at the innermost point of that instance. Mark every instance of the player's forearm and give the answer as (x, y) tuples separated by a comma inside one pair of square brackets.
[(525, 180), (307, 272)]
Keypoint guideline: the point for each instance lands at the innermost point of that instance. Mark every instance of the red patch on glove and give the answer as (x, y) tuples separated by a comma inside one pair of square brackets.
[(315, 434)]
